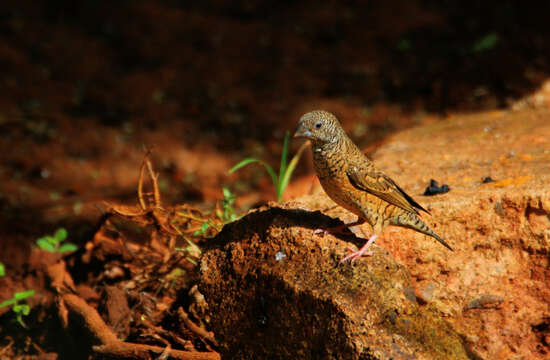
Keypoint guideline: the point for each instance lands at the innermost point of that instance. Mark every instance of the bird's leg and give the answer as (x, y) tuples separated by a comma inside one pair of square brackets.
[(338, 229), (361, 252)]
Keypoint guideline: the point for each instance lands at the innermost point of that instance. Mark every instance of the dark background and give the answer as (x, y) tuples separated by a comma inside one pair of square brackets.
[(87, 84)]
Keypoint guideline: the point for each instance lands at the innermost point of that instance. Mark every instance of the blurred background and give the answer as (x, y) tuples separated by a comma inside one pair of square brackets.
[(88, 85)]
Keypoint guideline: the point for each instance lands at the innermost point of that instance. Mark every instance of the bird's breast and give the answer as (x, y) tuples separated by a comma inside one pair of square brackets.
[(331, 167)]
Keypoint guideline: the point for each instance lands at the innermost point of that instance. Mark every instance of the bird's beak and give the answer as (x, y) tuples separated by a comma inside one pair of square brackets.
[(302, 132)]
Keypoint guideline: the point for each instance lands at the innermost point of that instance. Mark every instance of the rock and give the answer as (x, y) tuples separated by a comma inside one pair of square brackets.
[(307, 306), (424, 293), (276, 290), (500, 230)]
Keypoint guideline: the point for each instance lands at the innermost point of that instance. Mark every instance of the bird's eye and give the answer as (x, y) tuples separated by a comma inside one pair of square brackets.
[(318, 124)]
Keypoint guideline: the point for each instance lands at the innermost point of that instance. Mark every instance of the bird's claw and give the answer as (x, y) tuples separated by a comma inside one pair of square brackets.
[(355, 255)]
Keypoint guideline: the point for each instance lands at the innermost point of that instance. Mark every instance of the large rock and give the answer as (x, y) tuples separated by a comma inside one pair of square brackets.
[(276, 291), (493, 289)]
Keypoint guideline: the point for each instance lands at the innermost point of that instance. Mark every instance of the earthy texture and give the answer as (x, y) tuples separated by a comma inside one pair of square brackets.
[(500, 230), (275, 290)]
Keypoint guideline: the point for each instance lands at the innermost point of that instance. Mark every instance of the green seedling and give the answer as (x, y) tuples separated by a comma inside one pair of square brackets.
[(192, 249), (202, 230), (19, 309), (404, 44), (55, 243), (227, 214), (487, 42), (280, 181)]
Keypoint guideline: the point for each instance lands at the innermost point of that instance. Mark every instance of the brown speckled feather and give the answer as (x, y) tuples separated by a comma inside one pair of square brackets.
[(369, 179)]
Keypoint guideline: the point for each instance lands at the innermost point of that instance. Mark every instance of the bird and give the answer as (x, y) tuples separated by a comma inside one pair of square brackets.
[(352, 181)]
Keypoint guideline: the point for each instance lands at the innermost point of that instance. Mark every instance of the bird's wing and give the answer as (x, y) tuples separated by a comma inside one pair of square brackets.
[(377, 183)]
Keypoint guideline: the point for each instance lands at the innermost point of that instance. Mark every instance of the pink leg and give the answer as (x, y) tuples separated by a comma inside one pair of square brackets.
[(337, 229), (361, 252)]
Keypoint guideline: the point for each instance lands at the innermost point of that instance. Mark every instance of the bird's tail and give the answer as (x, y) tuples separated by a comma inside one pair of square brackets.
[(414, 222)]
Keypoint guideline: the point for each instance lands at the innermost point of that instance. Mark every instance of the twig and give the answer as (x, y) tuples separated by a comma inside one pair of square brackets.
[(154, 179), (7, 347), (124, 350), (167, 334), (203, 333), (108, 343), (92, 321), (140, 183)]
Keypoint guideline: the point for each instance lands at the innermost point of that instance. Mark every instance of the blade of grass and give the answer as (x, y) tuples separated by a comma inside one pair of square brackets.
[(292, 166), (267, 167), (284, 154), (271, 173), (8, 302), (243, 163)]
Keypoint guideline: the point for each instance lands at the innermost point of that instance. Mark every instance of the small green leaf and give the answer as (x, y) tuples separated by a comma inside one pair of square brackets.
[(22, 295), (487, 42), (45, 245), (8, 302), (60, 234), (202, 230), (404, 45), (67, 247), (52, 240), (2, 270), (226, 193), (23, 309), (26, 309)]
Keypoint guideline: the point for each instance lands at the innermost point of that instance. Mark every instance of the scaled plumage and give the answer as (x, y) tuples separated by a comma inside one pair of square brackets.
[(353, 182)]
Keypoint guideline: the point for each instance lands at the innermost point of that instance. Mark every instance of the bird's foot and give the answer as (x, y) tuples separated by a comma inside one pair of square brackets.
[(361, 252), (355, 255)]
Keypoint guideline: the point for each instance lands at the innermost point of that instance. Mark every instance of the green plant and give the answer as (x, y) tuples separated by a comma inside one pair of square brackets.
[(404, 44), (191, 249), (487, 42), (54, 243), (280, 181), (227, 213), (2, 270), (20, 310)]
